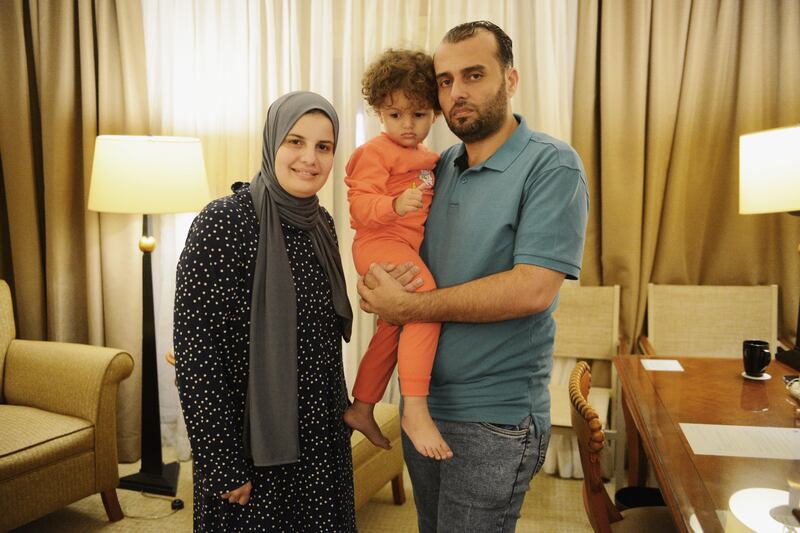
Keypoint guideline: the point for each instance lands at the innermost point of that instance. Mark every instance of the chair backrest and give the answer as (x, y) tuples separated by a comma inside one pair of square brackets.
[(589, 432), (7, 329), (711, 321), (587, 322)]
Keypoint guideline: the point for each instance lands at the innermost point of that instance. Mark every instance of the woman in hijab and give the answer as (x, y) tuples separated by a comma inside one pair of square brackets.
[(260, 311)]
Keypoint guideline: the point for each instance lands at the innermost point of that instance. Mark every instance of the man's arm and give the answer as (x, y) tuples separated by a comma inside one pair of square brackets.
[(523, 290)]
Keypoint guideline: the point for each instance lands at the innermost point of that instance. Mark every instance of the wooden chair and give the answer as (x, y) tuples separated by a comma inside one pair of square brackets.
[(603, 515), (709, 321), (587, 328)]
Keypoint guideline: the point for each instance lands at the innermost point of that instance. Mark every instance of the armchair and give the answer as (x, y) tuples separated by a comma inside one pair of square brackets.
[(58, 423)]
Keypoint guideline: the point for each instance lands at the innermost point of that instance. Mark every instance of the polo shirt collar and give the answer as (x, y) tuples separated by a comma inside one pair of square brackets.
[(505, 155)]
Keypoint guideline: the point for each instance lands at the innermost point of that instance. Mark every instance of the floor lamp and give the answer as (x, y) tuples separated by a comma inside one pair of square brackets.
[(769, 182), (148, 175)]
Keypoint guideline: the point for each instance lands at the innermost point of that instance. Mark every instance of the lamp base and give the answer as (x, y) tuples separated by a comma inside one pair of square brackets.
[(789, 357), (165, 482)]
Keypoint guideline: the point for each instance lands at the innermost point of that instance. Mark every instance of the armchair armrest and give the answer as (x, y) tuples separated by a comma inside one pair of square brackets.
[(644, 344), (62, 377)]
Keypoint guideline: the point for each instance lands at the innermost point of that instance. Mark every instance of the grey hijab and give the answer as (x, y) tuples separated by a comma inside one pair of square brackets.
[(271, 419)]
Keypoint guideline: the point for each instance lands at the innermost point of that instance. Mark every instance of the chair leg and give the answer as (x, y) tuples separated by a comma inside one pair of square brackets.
[(111, 503), (398, 492)]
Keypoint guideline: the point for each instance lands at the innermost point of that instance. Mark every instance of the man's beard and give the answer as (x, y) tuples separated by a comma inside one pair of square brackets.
[(487, 121)]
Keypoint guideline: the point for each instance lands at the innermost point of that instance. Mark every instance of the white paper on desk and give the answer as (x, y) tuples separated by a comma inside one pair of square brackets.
[(662, 365), (743, 441)]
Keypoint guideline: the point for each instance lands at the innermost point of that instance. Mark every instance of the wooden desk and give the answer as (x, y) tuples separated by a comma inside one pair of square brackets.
[(709, 391)]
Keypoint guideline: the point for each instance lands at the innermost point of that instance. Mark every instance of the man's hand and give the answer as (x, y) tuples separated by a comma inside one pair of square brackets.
[(386, 296), (410, 200), (240, 495), (405, 274)]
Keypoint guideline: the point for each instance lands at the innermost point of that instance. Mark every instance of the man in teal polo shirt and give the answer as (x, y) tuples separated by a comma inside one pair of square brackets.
[(506, 226)]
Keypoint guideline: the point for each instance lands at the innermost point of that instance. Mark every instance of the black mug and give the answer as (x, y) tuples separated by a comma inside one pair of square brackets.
[(756, 357)]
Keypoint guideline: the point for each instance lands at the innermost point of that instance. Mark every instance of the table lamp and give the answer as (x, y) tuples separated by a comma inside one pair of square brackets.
[(148, 175), (769, 182)]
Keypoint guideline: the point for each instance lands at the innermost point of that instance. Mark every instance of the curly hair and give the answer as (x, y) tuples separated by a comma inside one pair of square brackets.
[(401, 70)]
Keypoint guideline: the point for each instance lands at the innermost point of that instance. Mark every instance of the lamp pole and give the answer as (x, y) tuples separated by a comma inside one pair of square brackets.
[(154, 476), (143, 174)]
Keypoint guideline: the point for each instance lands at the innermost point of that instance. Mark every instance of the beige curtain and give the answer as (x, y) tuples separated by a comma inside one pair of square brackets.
[(663, 89), (71, 70)]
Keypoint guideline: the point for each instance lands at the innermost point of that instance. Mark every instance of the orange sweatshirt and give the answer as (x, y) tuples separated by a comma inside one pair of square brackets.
[(377, 173)]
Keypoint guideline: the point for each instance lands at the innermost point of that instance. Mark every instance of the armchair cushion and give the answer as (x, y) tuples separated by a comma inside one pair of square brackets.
[(33, 438)]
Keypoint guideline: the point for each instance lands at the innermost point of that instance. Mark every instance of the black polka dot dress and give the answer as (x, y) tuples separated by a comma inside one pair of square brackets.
[(212, 329)]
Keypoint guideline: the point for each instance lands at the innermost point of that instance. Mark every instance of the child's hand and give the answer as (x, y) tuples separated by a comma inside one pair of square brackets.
[(410, 200)]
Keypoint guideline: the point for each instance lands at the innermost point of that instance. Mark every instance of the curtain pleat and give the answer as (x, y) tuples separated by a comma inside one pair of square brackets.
[(6, 269), (22, 173)]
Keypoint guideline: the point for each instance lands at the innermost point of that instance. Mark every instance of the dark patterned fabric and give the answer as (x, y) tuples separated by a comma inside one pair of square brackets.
[(212, 320)]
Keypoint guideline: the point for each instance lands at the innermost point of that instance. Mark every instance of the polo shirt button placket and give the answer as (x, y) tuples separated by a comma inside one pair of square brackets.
[(464, 180)]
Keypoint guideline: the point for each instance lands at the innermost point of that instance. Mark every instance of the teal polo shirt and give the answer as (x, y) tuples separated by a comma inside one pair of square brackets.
[(528, 203)]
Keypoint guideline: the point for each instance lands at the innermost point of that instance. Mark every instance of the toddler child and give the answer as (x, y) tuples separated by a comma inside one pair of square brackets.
[(390, 180)]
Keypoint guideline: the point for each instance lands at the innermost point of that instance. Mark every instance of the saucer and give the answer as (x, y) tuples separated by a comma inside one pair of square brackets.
[(763, 377)]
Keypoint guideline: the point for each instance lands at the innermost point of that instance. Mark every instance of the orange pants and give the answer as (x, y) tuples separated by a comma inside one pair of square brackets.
[(411, 347)]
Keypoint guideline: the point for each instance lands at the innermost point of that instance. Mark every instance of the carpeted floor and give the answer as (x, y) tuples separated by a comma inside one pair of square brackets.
[(553, 505)]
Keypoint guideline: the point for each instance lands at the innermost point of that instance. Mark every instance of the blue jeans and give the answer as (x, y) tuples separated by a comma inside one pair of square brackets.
[(481, 489)]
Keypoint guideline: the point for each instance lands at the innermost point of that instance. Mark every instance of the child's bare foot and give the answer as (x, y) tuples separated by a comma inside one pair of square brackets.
[(359, 416), (420, 428)]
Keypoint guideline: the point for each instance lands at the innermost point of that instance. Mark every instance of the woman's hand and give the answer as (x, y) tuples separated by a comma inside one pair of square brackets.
[(410, 200), (240, 495)]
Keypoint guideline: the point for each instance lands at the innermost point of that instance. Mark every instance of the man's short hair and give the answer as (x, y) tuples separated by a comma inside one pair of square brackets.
[(464, 31)]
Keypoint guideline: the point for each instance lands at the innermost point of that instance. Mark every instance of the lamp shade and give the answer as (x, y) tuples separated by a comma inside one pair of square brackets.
[(147, 175), (769, 171)]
